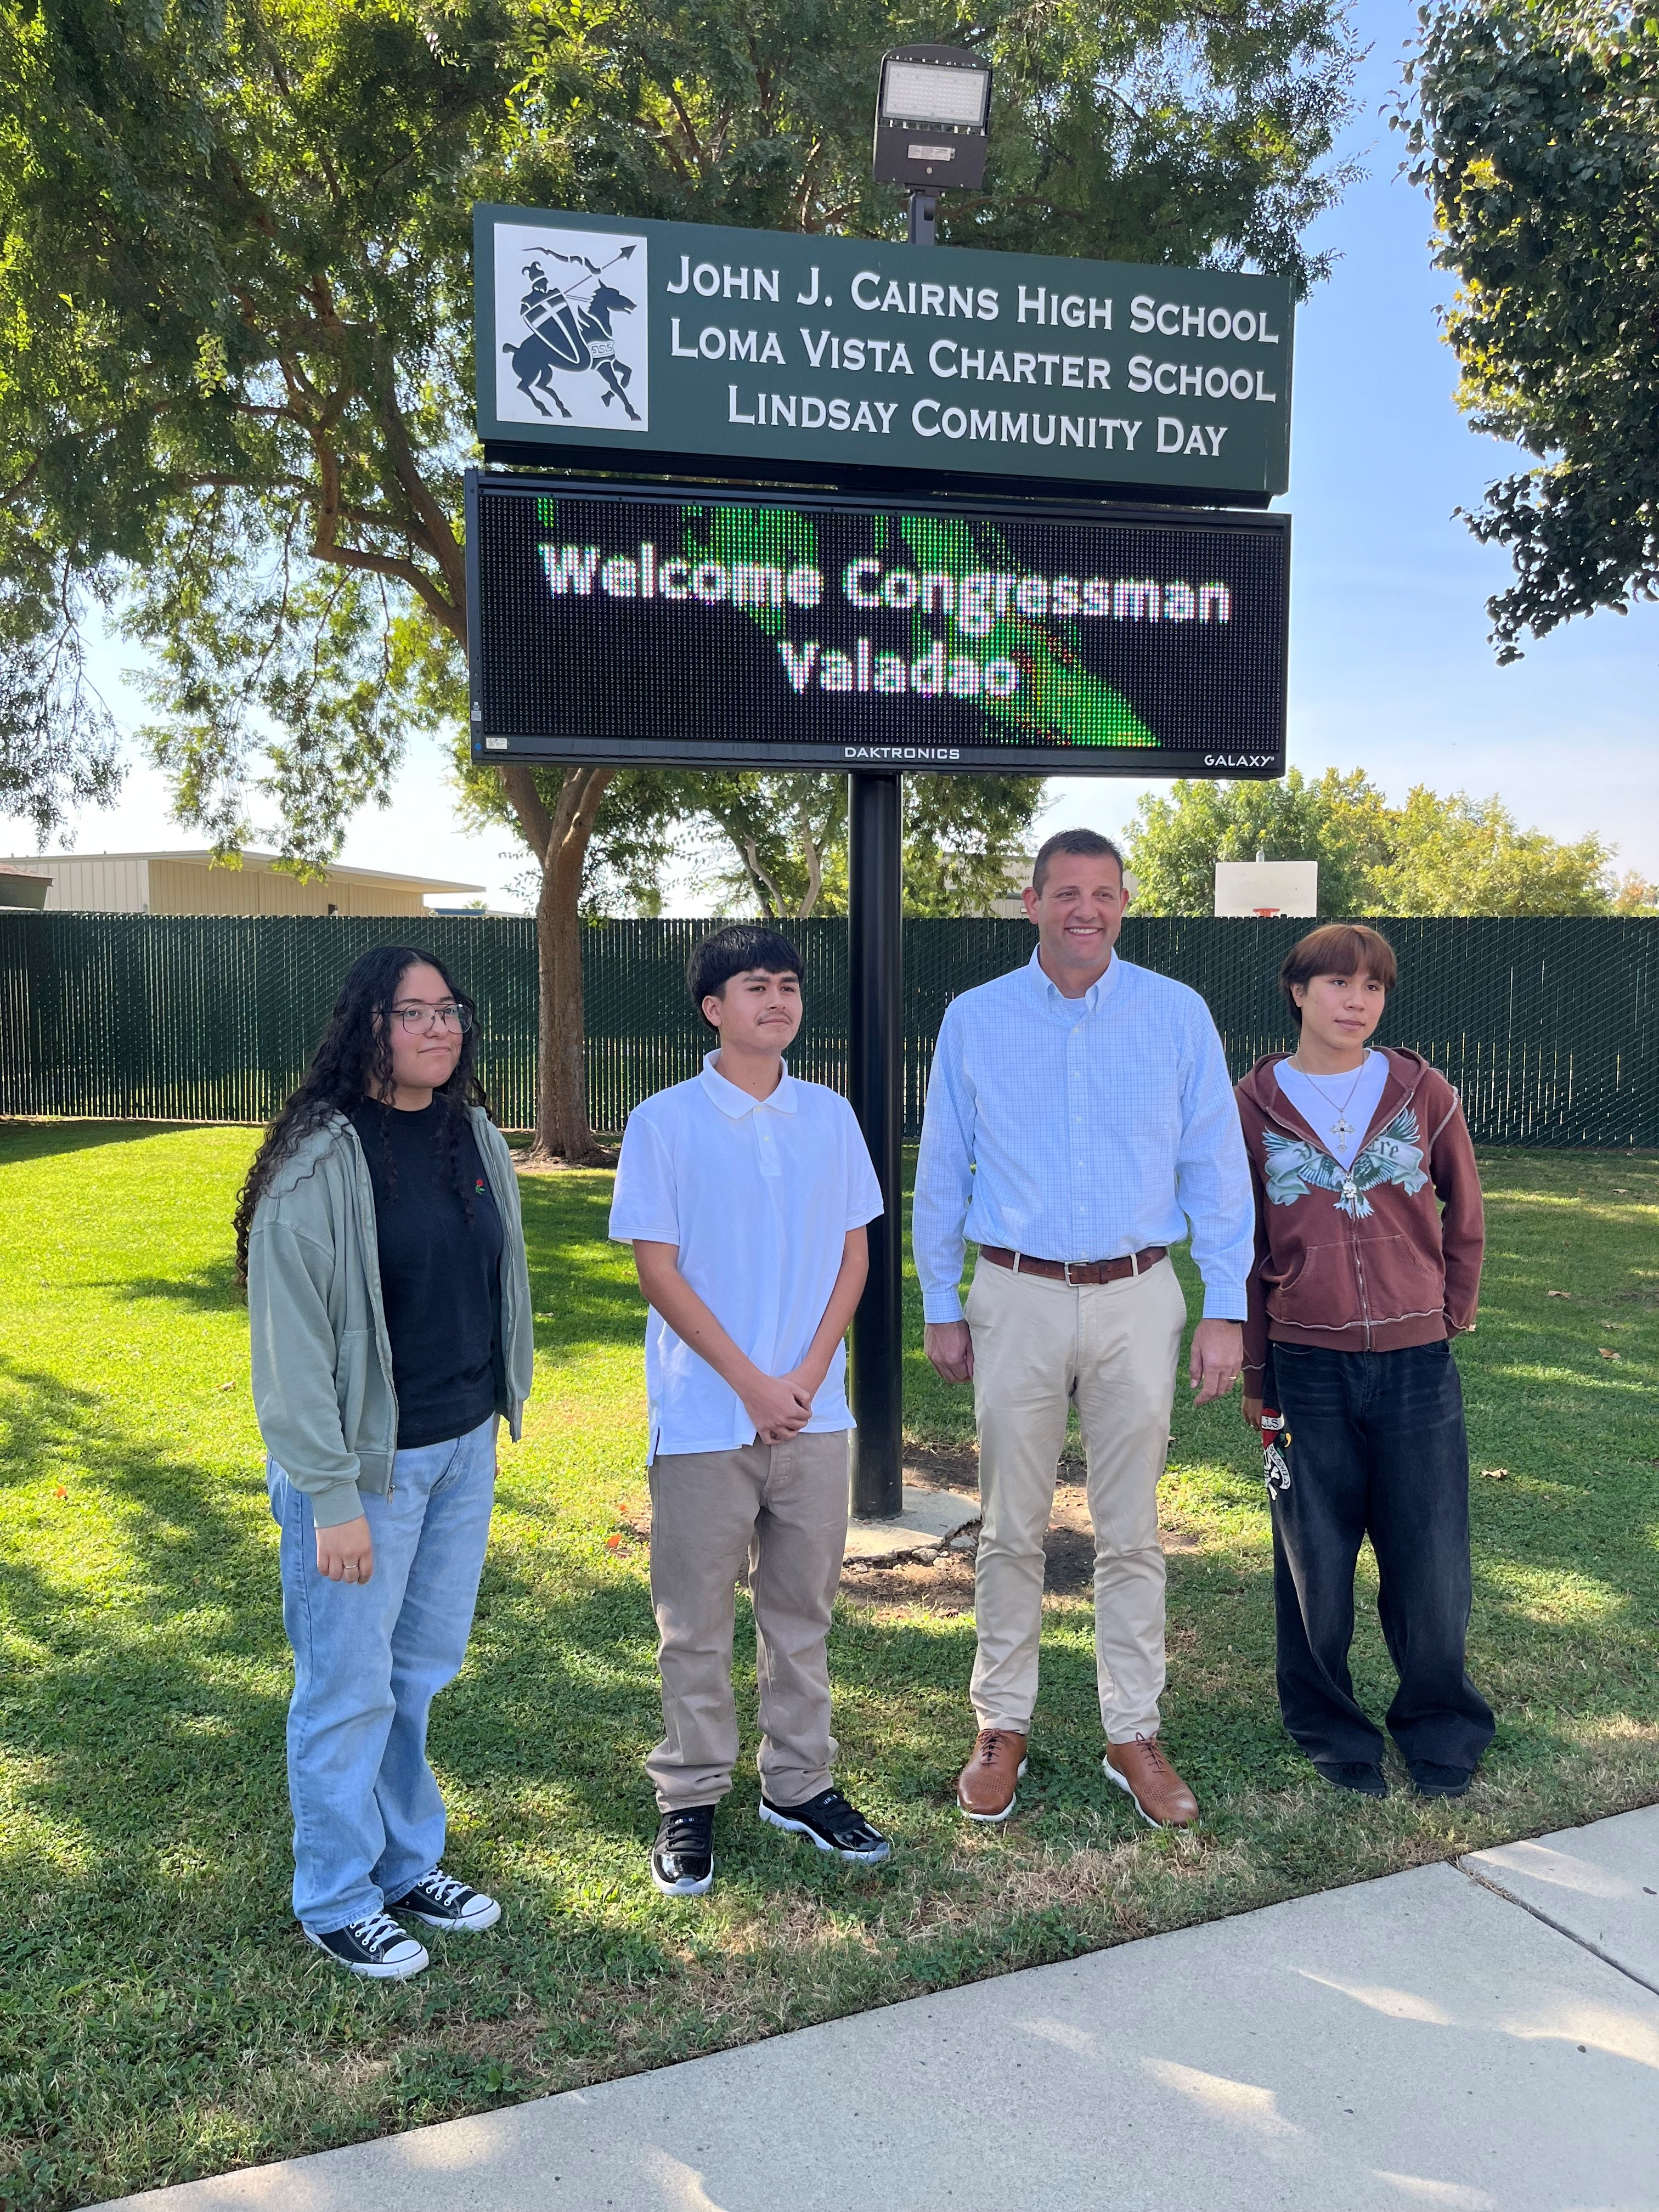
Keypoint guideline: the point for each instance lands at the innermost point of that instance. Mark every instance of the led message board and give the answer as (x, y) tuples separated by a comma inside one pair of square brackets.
[(611, 625), (654, 347)]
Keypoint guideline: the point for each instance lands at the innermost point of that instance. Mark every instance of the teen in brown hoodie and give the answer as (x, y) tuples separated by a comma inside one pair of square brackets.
[(1369, 1237)]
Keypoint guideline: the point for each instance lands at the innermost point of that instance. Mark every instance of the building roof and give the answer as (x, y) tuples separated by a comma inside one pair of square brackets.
[(24, 866)]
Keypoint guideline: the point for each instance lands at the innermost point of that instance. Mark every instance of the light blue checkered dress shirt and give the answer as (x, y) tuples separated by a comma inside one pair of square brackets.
[(1082, 1130)]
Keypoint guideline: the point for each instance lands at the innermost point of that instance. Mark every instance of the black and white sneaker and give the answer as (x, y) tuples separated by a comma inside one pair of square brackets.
[(373, 1947), (442, 1902), (682, 1857), (833, 1825)]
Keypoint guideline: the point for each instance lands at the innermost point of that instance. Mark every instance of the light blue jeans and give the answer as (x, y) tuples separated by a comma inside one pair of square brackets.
[(369, 1660)]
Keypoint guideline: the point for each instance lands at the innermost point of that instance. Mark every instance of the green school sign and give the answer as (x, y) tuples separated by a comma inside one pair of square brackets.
[(656, 347)]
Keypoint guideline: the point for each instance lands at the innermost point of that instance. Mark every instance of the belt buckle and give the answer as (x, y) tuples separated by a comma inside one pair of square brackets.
[(1068, 1265)]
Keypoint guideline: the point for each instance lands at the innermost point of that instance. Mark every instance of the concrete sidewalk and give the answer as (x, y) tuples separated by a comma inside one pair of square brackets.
[(1483, 2037)]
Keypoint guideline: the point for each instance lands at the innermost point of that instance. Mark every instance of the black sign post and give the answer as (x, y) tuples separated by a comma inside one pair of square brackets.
[(875, 1074), (875, 1037)]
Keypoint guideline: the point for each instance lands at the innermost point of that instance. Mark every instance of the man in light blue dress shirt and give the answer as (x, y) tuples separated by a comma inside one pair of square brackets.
[(1081, 1120)]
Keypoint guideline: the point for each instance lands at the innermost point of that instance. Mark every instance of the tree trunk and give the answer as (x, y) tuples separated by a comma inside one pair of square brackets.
[(560, 841)]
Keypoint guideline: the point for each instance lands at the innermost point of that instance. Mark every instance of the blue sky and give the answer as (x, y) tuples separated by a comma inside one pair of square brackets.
[(1390, 669)]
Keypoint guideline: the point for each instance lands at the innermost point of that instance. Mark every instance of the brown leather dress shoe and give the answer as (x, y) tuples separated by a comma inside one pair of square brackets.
[(985, 1787), (1160, 1795)]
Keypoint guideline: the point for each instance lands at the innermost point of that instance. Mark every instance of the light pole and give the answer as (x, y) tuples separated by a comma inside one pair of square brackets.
[(931, 118), (932, 125)]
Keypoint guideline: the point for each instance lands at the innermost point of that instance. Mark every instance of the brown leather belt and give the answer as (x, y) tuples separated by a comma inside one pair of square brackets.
[(1076, 1271)]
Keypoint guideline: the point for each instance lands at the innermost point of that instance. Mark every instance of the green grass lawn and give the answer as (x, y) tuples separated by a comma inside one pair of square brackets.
[(162, 2019)]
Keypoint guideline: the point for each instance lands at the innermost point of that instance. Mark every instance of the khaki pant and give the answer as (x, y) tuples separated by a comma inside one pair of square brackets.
[(781, 1509), (1038, 1346)]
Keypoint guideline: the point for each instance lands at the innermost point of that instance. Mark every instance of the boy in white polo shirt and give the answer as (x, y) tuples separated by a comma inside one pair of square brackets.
[(745, 1194)]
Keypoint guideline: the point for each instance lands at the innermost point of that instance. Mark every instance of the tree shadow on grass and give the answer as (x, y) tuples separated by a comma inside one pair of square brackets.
[(40, 1140), (582, 1288), (137, 1691), (208, 1289)]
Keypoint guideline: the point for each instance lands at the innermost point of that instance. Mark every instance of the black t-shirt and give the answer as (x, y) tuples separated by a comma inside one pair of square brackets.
[(440, 1238)]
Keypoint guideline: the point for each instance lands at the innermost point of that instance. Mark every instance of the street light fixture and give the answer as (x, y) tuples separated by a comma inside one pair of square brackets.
[(932, 118)]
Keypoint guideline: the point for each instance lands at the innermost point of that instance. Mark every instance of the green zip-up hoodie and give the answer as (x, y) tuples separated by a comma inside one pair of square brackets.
[(322, 1360)]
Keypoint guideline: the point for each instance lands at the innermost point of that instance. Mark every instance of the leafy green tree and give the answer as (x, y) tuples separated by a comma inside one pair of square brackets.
[(965, 837), (1432, 855), (1460, 856), (1536, 132), (235, 319), (775, 842), (785, 839), (1132, 129), (60, 749), (1340, 821)]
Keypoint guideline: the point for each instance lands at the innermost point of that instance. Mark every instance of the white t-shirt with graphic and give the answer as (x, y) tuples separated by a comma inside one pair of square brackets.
[(1327, 1100)]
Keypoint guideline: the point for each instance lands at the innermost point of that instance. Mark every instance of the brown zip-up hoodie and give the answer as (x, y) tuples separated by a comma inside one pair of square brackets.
[(1361, 1258)]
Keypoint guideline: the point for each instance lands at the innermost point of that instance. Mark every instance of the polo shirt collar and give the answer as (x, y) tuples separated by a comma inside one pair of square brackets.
[(1049, 991), (735, 1103)]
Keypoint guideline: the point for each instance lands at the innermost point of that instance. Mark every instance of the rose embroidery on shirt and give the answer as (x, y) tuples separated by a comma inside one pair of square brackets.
[(1294, 1166)]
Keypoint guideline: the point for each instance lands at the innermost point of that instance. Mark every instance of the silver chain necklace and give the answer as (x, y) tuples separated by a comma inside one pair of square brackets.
[(1341, 1128)]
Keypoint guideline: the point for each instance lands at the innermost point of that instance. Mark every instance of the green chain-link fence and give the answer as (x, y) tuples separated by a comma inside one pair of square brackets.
[(1549, 1028)]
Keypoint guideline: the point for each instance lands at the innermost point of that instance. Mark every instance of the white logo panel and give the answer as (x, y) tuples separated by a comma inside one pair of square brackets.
[(572, 319)]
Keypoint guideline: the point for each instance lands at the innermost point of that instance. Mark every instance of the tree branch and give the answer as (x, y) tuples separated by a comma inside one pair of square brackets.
[(15, 490), (814, 864), (771, 898), (440, 539), (535, 823), (449, 618)]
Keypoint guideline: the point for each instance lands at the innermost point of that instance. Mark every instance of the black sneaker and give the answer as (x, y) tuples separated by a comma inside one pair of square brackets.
[(1431, 1781), (682, 1857), (373, 1947), (442, 1902), (1353, 1774), (833, 1825)]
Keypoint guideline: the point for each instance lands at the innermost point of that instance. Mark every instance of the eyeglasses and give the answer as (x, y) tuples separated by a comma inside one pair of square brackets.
[(448, 1017)]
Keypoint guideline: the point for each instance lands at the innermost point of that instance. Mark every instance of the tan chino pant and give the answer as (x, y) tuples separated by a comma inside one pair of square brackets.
[(1111, 1347), (782, 1509)]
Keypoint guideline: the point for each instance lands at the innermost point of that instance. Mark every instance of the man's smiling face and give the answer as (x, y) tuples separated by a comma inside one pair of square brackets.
[(1078, 913)]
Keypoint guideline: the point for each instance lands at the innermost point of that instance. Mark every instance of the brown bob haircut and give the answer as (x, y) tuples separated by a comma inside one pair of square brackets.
[(1340, 948)]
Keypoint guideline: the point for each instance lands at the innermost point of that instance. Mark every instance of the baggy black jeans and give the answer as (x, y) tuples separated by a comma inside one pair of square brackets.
[(1375, 1445)]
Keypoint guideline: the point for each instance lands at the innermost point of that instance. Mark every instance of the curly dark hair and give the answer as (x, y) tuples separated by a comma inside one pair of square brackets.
[(353, 1061)]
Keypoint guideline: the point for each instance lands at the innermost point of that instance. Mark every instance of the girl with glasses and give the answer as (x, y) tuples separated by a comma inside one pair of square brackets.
[(380, 1239)]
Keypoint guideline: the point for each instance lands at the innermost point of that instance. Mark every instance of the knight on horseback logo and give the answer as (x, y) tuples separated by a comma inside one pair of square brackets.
[(572, 319)]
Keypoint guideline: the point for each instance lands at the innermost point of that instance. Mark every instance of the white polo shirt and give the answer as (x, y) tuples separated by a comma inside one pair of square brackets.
[(758, 1196)]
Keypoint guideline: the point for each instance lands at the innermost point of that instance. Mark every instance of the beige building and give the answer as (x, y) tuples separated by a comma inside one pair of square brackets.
[(23, 887), (187, 883)]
